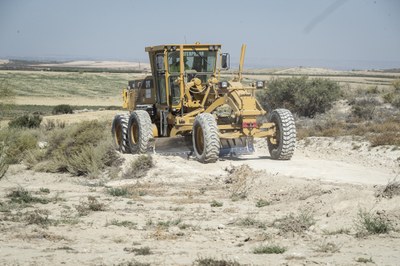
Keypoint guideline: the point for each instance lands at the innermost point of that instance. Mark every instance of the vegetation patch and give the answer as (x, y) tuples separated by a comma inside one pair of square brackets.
[(240, 180), (215, 203), (92, 204), (295, 223), (62, 109), (26, 121), (139, 167), (301, 95), (118, 192), (139, 251), (269, 249), (22, 196), (215, 262), (368, 223)]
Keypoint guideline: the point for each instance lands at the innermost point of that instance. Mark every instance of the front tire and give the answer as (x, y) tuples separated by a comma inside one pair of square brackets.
[(206, 142), (139, 131), (281, 147), (119, 132)]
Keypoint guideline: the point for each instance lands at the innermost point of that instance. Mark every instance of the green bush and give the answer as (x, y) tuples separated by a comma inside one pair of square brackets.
[(364, 108), (27, 121), (368, 223), (17, 143), (303, 96), (396, 101), (396, 84), (81, 149), (62, 109)]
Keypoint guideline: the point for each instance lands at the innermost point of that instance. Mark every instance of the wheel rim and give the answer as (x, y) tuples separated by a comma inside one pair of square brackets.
[(199, 138), (134, 133), (118, 134)]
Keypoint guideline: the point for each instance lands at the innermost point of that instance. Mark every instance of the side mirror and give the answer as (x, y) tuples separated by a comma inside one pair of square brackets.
[(225, 61)]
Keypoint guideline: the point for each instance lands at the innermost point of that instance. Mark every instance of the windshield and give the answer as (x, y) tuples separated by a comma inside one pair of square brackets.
[(200, 61)]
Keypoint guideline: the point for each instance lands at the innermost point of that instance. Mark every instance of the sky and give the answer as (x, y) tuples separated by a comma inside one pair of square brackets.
[(339, 34)]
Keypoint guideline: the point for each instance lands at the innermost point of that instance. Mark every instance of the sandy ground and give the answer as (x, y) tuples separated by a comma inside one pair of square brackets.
[(170, 210)]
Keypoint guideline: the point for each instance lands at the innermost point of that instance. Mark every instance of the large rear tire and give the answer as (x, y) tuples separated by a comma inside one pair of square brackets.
[(206, 142), (282, 146), (119, 132), (140, 131)]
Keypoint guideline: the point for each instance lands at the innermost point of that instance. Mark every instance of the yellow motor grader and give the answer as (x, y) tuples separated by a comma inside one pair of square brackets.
[(185, 106)]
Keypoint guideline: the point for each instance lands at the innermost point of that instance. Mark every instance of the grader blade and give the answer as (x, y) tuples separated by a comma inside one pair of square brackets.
[(236, 147), (179, 146)]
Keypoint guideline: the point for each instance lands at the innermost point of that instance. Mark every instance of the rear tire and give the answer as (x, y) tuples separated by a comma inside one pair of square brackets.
[(119, 131), (206, 142), (285, 135), (140, 131)]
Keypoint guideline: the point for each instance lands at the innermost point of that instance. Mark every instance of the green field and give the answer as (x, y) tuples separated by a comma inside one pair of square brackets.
[(65, 84)]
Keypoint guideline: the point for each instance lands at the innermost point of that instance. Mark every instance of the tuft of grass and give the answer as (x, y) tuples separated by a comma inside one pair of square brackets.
[(368, 223), (133, 263), (214, 262), (44, 190), (125, 223), (169, 223), (215, 203), (38, 217), (262, 203), (295, 223), (240, 180), (139, 251), (92, 204), (139, 167), (269, 249), (251, 222), (118, 192), (365, 260), (327, 247), (341, 231), (22, 196)]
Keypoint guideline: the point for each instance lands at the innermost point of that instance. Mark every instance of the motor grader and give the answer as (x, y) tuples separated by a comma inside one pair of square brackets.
[(185, 105)]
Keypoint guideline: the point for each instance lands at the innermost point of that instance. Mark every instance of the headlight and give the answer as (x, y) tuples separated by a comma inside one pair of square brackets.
[(223, 85), (259, 84)]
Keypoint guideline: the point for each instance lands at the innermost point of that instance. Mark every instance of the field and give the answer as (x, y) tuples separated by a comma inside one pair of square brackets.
[(334, 203)]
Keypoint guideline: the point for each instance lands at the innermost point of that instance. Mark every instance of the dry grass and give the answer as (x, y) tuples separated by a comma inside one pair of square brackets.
[(240, 180), (295, 223)]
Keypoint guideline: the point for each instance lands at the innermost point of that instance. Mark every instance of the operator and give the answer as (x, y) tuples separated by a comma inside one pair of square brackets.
[(175, 67)]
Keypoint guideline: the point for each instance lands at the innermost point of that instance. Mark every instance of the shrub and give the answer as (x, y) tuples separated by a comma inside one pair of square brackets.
[(295, 223), (81, 149), (396, 101), (62, 109), (396, 84), (215, 262), (304, 96), (139, 167), (215, 203), (368, 223), (16, 143), (118, 192), (28, 121), (364, 108), (270, 249)]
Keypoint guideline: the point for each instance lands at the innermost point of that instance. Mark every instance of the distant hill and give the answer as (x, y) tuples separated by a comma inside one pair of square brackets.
[(86, 66)]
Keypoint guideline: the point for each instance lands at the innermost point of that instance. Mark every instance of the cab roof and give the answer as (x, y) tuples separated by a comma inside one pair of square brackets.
[(176, 46)]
